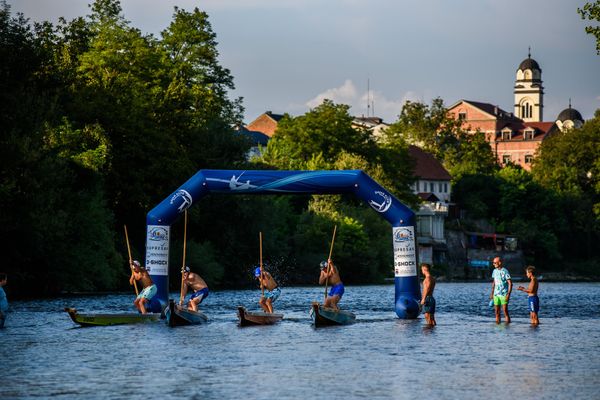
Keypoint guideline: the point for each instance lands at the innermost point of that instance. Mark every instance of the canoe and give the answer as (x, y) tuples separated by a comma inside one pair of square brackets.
[(325, 316), (179, 316), (110, 319), (248, 318)]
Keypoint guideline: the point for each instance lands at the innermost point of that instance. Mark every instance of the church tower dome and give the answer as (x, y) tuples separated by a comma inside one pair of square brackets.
[(569, 118), (529, 92)]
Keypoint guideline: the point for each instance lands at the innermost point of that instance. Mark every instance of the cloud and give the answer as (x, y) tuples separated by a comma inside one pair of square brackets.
[(346, 94), (366, 103)]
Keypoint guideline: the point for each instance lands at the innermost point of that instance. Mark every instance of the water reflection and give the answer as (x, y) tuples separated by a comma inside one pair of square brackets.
[(43, 354)]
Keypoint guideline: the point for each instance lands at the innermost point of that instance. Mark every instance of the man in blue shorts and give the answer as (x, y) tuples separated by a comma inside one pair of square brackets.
[(501, 288), (196, 283), (331, 276)]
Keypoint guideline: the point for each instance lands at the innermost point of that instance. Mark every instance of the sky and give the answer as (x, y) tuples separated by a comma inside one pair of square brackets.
[(286, 56)]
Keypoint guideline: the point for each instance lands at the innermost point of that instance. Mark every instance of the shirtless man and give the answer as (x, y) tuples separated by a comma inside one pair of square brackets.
[(427, 300), (534, 301), (331, 276), (197, 284), (271, 292), (139, 273)]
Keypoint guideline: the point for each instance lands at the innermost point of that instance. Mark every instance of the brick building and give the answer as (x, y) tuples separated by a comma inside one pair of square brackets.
[(515, 136), (265, 123)]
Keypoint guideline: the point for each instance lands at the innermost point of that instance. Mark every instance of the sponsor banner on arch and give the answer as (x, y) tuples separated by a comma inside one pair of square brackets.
[(157, 249), (405, 256)]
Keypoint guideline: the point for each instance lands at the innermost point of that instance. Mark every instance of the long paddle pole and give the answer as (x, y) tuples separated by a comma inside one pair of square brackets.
[(262, 288), (130, 260), (329, 260), (183, 258)]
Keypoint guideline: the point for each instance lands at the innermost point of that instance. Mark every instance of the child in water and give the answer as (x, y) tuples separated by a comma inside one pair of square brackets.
[(534, 301)]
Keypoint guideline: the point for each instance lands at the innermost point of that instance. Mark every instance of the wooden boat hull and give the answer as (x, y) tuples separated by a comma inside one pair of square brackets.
[(180, 316), (110, 319), (248, 318), (325, 316)]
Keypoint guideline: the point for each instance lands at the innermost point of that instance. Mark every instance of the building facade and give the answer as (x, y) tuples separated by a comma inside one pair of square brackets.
[(516, 136)]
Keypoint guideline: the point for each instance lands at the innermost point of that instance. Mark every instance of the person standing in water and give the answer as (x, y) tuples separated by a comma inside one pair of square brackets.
[(501, 288), (533, 299), (427, 299)]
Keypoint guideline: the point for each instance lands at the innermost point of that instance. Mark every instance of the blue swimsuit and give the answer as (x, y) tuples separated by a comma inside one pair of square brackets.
[(337, 290), (202, 292), (534, 303)]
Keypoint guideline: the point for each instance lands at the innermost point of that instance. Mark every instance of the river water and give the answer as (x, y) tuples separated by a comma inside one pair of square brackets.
[(44, 354)]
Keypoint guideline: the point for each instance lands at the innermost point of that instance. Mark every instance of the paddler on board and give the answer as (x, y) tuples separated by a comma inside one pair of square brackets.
[(270, 287), (330, 275), (140, 274)]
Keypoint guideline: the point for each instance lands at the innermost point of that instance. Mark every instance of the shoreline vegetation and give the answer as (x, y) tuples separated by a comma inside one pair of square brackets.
[(101, 121)]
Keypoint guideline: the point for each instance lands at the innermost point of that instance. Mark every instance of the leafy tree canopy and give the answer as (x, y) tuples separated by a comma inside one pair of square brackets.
[(591, 12)]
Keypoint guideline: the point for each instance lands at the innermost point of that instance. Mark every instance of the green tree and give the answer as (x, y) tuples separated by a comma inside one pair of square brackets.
[(591, 12), (325, 130), (471, 156), (568, 163), (57, 225), (428, 127)]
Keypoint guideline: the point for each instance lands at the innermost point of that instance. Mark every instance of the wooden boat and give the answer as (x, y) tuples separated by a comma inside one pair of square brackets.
[(324, 316), (110, 319), (179, 316), (248, 318)]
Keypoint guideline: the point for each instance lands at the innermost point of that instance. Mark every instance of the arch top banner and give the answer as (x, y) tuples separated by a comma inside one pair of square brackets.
[(204, 182), (281, 182)]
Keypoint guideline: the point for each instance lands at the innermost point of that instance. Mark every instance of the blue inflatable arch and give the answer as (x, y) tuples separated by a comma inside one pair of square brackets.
[(204, 182)]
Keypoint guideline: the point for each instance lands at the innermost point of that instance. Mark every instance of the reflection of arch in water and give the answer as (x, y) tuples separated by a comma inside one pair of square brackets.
[(204, 182)]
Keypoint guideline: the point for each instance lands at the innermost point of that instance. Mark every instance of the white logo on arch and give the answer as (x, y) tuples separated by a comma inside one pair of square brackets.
[(384, 203), (186, 199)]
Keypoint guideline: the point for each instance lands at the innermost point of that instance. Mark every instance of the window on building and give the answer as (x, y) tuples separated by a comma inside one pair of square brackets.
[(506, 158), (462, 116), (431, 187), (528, 134), (526, 110), (528, 158), (440, 187), (506, 135), (445, 188)]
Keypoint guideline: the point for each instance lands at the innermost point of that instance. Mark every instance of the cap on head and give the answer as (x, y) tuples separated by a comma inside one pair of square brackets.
[(323, 264), (186, 269), (136, 263), (257, 272)]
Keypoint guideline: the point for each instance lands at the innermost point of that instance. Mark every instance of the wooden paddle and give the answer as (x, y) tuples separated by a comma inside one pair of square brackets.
[(130, 260), (262, 288), (329, 260), (183, 262)]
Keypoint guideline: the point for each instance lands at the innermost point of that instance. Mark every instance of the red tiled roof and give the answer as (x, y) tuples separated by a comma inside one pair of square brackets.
[(540, 130), (426, 166)]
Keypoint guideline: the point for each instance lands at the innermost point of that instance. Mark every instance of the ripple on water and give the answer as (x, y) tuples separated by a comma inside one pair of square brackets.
[(466, 356)]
